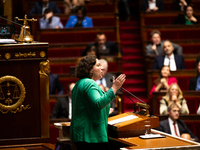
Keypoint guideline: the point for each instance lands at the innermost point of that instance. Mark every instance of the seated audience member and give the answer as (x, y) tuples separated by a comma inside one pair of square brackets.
[(180, 5), (164, 80), (197, 62), (80, 19), (49, 21), (169, 59), (156, 46), (40, 6), (174, 95), (173, 125), (54, 84), (188, 18), (104, 47), (71, 5), (105, 81), (92, 51), (198, 110), (152, 5), (112, 111), (62, 108), (194, 84)]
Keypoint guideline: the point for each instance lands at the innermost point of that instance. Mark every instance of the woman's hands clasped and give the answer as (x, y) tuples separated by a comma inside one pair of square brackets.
[(118, 82)]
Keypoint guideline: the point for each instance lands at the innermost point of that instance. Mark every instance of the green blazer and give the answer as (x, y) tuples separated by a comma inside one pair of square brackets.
[(90, 111)]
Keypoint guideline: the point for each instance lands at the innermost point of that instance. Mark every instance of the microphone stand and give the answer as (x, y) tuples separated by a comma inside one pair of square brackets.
[(136, 98)]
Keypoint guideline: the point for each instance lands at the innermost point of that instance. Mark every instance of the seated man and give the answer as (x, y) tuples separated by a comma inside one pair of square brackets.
[(62, 108), (169, 59), (41, 5), (104, 48), (173, 125), (156, 46), (49, 21), (105, 81)]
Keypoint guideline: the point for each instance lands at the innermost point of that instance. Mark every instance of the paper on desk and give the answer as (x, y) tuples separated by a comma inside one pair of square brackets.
[(130, 117)]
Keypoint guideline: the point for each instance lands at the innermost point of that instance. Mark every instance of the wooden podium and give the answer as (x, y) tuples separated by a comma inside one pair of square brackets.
[(24, 92), (132, 127)]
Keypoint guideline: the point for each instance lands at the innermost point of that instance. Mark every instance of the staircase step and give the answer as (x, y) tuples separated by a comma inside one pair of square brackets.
[(131, 23), (131, 51), (129, 37), (134, 81), (132, 65), (132, 73)]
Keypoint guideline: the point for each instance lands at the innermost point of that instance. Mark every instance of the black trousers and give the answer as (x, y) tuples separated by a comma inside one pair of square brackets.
[(92, 146)]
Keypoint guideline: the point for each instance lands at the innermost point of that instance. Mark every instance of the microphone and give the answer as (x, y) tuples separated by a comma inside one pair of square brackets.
[(111, 80)]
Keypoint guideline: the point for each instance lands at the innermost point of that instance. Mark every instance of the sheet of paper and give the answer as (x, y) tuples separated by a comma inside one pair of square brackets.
[(130, 117)]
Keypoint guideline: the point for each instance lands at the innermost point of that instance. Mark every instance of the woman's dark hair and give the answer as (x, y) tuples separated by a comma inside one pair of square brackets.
[(84, 67), (83, 10)]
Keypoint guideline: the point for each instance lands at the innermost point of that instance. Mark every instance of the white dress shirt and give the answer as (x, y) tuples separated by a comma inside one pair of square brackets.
[(103, 80), (152, 4), (170, 61), (70, 108), (171, 125)]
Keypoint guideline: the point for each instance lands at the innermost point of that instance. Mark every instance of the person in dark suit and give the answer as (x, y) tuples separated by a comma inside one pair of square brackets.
[(150, 5), (173, 125), (194, 84), (104, 48), (55, 85), (40, 6), (62, 108), (105, 81), (173, 60)]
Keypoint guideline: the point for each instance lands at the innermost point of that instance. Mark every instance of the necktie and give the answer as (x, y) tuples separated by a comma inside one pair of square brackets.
[(101, 81), (175, 129)]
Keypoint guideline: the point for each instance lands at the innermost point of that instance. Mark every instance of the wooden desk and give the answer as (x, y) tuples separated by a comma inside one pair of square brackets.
[(170, 142)]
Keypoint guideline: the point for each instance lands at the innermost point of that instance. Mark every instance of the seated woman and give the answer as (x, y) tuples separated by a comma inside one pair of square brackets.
[(194, 84), (164, 80), (80, 19), (180, 5), (174, 95), (188, 18)]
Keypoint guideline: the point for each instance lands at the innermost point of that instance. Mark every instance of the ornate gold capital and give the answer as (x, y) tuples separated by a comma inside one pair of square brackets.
[(44, 67)]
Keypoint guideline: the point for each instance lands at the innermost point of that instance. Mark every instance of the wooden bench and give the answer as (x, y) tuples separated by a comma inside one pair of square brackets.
[(64, 64), (173, 32), (75, 35), (91, 7), (160, 18)]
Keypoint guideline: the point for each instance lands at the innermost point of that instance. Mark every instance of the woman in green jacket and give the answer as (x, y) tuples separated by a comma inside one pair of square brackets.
[(90, 106)]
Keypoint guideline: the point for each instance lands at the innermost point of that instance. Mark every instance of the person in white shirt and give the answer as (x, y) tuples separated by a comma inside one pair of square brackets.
[(173, 60), (62, 108), (173, 125)]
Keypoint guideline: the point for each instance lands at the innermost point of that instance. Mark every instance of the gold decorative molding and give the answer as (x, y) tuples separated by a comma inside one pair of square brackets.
[(44, 67), (30, 54), (7, 55), (12, 95), (42, 54)]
